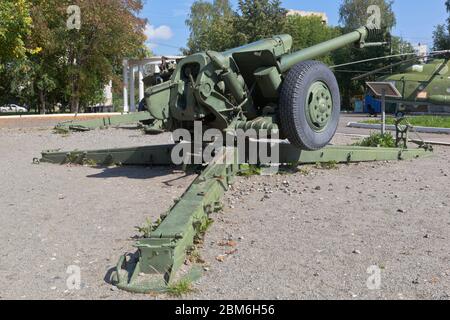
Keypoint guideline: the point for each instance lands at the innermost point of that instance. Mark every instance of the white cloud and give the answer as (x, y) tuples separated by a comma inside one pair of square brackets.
[(158, 33)]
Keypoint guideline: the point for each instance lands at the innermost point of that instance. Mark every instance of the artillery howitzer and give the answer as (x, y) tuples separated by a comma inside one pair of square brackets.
[(261, 86)]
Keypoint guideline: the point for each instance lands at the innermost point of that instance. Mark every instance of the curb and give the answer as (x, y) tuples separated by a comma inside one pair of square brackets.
[(392, 127), (59, 115)]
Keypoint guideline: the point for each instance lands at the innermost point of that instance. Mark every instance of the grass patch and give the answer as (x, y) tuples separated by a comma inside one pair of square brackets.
[(148, 227), (61, 130), (89, 162), (205, 226), (377, 140), (303, 171), (421, 121), (194, 256), (248, 170), (329, 165), (73, 157), (180, 288)]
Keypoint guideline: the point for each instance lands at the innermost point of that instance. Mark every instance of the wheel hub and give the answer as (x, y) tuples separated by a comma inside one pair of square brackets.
[(319, 106)]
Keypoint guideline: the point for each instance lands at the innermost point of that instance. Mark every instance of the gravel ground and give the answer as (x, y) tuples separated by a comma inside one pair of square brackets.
[(311, 234), (314, 234), (55, 216)]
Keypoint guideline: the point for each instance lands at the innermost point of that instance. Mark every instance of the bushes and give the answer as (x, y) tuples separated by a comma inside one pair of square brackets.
[(377, 140)]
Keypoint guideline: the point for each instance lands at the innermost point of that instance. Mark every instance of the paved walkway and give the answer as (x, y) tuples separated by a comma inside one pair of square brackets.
[(48, 120)]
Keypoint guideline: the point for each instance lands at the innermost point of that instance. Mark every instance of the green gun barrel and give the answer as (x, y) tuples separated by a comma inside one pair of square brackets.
[(278, 45), (290, 60)]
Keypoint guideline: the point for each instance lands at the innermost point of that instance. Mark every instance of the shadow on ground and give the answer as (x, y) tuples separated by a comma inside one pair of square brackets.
[(133, 172)]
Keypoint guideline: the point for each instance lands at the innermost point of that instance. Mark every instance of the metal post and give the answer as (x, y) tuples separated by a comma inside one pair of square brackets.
[(132, 93), (125, 86), (383, 111), (141, 82)]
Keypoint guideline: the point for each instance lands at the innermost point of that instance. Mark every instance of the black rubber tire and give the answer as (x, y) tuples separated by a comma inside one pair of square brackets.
[(142, 105), (293, 121)]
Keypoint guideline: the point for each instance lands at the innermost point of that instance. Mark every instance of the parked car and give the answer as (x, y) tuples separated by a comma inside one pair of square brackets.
[(12, 108)]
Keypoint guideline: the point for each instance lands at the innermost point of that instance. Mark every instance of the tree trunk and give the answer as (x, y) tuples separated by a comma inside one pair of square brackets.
[(42, 102), (74, 104), (75, 98)]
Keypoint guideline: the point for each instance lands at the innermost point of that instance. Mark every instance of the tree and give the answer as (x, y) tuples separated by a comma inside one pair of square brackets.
[(353, 13), (110, 30), (15, 26), (399, 45), (441, 33), (72, 66), (215, 26), (260, 19), (308, 31), (211, 26), (441, 38)]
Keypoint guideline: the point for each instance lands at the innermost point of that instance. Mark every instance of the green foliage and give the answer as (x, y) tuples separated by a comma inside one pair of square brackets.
[(205, 226), (67, 67), (329, 165), (15, 26), (148, 227), (377, 140), (247, 170), (201, 228), (441, 33), (215, 26), (303, 171), (73, 157), (89, 162), (422, 121), (61, 130), (399, 45), (118, 102), (260, 19), (309, 31), (211, 26), (441, 37), (180, 288), (353, 13)]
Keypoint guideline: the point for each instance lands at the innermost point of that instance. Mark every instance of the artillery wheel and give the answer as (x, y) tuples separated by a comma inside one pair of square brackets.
[(309, 105)]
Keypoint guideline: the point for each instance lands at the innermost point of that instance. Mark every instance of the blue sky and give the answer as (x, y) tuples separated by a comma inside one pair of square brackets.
[(167, 31)]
